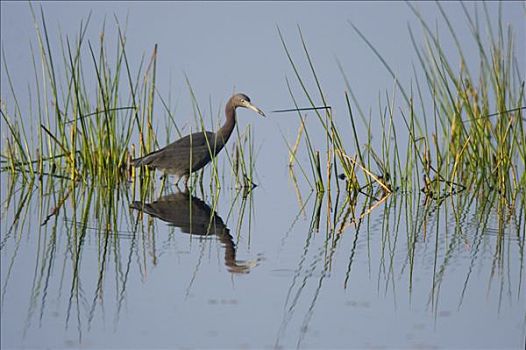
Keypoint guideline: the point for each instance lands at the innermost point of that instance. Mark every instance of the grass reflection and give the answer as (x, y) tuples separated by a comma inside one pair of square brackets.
[(409, 246), (84, 245)]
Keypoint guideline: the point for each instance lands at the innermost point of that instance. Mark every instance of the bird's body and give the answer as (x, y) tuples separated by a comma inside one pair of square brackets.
[(192, 152), (184, 156)]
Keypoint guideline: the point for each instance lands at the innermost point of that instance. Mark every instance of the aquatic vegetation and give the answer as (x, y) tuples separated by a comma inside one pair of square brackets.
[(465, 131), (80, 135), (88, 136)]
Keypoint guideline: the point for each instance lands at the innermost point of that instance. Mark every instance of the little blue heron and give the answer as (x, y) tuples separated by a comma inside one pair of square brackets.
[(192, 152)]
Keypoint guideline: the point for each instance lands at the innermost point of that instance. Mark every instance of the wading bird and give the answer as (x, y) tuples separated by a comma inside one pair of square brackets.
[(192, 152)]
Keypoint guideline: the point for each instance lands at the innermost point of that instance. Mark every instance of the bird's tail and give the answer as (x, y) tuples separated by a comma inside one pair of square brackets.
[(144, 161), (137, 162)]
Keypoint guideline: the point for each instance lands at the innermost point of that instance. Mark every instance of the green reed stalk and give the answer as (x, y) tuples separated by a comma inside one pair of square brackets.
[(84, 139)]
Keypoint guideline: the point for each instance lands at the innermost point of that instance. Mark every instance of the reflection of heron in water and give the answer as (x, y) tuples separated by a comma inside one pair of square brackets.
[(195, 217)]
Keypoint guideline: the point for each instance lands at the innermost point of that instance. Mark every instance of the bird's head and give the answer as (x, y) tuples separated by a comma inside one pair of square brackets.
[(242, 100)]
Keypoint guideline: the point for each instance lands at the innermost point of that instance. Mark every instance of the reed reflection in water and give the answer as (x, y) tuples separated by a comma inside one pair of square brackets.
[(193, 216)]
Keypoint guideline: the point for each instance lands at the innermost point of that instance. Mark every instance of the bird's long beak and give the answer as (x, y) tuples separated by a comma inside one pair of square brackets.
[(255, 109)]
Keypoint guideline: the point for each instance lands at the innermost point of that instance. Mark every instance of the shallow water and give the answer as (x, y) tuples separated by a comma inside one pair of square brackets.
[(279, 267), (270, 273)]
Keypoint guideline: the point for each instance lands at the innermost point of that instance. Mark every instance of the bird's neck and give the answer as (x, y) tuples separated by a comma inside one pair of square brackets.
[(227, 128)]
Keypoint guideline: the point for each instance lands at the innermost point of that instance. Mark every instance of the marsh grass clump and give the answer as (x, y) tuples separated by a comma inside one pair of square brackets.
[(479, 117), (336, 156), (466, 131), (83, 132), (473, 136), (90, 102)]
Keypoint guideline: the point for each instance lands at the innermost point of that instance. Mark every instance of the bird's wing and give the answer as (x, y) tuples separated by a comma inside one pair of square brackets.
[(197, 139), (176, 154)]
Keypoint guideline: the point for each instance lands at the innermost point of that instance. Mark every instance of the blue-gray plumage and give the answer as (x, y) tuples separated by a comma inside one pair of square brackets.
[(192, 152)]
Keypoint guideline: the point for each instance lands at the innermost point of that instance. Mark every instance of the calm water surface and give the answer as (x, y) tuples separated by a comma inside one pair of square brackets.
[(91, 267), (274, 271)]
